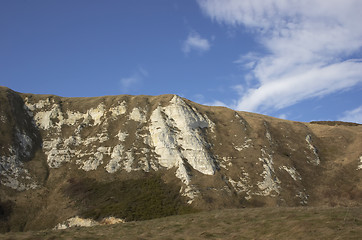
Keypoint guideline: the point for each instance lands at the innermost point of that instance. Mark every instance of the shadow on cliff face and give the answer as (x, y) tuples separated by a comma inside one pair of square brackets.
[(18, 130), (22, 166), (15, 118), (24, 122), (5, 212)]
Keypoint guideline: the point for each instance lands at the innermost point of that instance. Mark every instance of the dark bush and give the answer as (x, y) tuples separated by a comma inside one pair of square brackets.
[(138, 199)]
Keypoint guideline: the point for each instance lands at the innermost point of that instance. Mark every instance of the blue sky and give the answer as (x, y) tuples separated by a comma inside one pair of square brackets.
[(299, 60)]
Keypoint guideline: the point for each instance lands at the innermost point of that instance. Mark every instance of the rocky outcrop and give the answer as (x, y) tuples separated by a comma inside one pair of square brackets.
[(173, 136), (81, 222), (18, 143)]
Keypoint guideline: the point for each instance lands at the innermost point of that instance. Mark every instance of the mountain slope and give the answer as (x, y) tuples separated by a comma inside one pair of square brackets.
[(59, 157)]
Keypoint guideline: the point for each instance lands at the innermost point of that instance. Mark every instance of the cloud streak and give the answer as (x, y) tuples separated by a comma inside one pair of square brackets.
[(354, 115), (195, 42), (132, 81), (309, 48)]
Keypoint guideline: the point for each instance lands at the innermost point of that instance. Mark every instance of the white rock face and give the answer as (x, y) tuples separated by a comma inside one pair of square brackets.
[(270, 184), (193, 145), (14, 175), (96, 114), (111, 220), (138, 115), (316, 159), (86, 222), (59, 150), (118, 110), (93, 162), (45, 119), (164, 140), (224, 162), (173, 138), (177, 138), (49, 117), (122, 136), (247, 144), (76, 222), (267, 133), (128, 161), (360, 163), (292, 172), (116, 158), (243, 185), (121, 159), (12, 171), (303, 197), (176, 135), (54, 117)]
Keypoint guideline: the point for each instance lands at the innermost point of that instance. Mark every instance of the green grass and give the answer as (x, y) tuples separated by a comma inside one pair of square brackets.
[(249, 223)]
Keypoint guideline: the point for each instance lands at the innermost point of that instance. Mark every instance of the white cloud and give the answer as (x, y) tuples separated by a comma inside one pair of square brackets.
[(308, 46), (282, 116), (354, 115), (195, 42), (292, 88), (135, 79), (216, 103)]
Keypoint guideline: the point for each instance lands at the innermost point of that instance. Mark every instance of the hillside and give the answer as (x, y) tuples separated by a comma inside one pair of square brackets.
[(248, 223), (142, 157)]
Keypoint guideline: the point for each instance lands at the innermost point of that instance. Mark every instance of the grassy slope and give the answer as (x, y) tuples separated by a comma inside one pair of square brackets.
[(132, 200), (250, 223)]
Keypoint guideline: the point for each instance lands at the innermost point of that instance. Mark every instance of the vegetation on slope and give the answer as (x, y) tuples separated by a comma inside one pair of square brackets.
[(335, 123), (134, 199)]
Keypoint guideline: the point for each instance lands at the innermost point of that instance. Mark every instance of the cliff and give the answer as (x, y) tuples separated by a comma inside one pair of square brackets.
[(140, 157)]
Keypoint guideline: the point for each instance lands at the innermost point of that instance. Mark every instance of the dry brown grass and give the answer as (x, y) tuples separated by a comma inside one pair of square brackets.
[(248, 223)]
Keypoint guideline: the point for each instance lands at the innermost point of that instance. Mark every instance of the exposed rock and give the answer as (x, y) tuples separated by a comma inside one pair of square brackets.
[(137, 115), (18, 142), (292, 172), (316, 159), (76, 222), (176, 132), (111, 220), (270, 184), (86, 222)]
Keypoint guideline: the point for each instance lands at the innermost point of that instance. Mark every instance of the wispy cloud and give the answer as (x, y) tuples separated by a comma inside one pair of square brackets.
[(309, 48), (354, 115), (216, 103), (195, 42), (127, 83), (282, 116)]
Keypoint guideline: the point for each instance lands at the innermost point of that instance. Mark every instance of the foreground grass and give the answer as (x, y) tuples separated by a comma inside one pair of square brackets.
[(255, 223)]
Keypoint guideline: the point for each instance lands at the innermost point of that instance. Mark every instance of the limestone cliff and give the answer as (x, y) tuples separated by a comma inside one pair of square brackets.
[(52, 148)]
